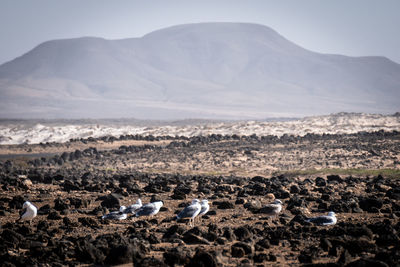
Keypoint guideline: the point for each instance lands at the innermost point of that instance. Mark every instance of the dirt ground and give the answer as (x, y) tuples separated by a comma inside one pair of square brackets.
[(74, 184)]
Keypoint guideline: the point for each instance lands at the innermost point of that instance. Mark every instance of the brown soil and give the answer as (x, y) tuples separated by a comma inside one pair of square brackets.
[(223, 170)]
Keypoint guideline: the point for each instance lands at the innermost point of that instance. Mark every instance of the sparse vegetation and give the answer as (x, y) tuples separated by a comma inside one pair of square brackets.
[(388, 173)]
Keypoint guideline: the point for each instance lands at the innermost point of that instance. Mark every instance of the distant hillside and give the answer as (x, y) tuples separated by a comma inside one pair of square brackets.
[(206, 70)]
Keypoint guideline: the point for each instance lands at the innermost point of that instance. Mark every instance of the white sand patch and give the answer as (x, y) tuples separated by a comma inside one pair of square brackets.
[(341, 123)]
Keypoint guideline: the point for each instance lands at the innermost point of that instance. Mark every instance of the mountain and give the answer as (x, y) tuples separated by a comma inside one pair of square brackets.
[(205, 70)]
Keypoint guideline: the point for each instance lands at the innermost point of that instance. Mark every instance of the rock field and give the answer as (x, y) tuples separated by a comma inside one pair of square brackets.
[(73, 184)]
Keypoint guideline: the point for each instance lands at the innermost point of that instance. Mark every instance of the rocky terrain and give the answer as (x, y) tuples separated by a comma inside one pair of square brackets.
[(74, 183), (61, 131)]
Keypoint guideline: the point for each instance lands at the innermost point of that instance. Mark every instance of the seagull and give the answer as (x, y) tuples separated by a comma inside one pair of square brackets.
[(190, 211), (204, 207), (134, 207), (116, 215), (329, 219), (149, 209), (29, 212), (272, 209)]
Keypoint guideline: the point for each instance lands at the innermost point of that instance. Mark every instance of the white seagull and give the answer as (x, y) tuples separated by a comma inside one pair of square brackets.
[(272, 209), (29, 212), (116, 215), (204, 207), (149, 209), (329, 219), (190, 211), (134, 207)]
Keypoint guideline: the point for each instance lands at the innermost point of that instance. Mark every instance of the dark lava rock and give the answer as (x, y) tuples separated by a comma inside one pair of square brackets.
[(111, 201), (344, 258), (356, 246), (282, 194), (309, 254), (294, 189), (153, 188), (174, 229), (319, 181), (120, 254), (228, 233), (224, 205), (43, 225), (211, 213), (367, 263), (79, 203), (359, 231), (242, 233), (334, 178), (176, 256), (60, 204), (264, 243), (17, 202), (150, 262), (190, 238), (87, 252), (11, 237), (240, 201), (88, 222), (69, 223), (69, 186), (203, 259), (370, 204), (44, 210), (247, 248), (180, 192), (237, 252), (54, 215)]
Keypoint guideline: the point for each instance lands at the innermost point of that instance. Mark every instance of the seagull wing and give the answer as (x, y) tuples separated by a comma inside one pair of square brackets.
[(22, 214), (189, 211), (321, 220), (146, 210), (115, 215), (204, 209), (132, 209), (269, 209)]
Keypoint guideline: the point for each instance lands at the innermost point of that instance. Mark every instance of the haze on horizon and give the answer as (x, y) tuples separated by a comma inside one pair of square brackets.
[(226, 59), (352, 28)]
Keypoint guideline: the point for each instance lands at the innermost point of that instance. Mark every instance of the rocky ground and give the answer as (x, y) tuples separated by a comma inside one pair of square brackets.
[(73, 184)]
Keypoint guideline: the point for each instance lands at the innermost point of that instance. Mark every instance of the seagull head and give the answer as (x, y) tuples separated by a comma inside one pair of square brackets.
[(159, 203), (122, 208), (277, 201), (139, 201), (26, 204), (204, 201), (195, 201), (331, 213)]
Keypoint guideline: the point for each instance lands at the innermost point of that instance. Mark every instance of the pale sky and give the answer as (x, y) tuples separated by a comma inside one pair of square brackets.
[(348, 27)]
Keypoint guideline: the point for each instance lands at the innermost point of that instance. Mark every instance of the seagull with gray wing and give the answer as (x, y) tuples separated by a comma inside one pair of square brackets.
[(329, 219), (205, 207), (134, 207), (272, 209), (116, 215), (190, 212), (149, 209)]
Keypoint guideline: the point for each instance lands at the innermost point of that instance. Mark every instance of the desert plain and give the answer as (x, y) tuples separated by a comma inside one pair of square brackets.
[(74, 183)]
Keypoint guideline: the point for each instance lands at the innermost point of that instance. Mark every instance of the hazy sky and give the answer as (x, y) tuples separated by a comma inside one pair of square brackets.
[(349, 27)]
